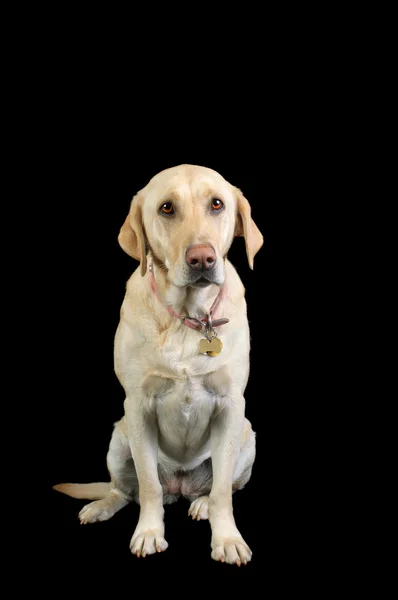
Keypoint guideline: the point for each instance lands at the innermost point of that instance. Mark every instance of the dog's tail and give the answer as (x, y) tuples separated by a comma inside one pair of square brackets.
[(88, 491)]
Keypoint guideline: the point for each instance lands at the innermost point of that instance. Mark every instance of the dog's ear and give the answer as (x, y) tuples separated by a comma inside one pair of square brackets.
[(132, 234), (245, 226)]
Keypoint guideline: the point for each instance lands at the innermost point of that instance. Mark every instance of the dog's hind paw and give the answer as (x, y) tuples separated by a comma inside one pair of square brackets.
[(101, 510), (199, 508)]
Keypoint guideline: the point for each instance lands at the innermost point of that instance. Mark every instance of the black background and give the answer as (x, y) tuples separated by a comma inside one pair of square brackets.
[(88, 129), (91, 176)]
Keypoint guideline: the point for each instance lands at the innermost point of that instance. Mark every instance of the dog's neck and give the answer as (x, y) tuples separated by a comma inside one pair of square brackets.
[(195, 302)]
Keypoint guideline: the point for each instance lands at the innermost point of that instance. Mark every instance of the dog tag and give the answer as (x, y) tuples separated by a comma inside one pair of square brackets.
[(211, 348)]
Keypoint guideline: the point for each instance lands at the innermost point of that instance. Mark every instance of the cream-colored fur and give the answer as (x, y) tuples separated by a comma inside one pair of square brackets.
[(184, 430)]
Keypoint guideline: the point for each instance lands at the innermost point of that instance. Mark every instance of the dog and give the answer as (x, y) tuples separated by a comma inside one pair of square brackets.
[(182, 356)]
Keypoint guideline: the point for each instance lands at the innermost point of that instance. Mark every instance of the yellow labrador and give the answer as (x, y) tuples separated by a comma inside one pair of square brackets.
[(182, 356)]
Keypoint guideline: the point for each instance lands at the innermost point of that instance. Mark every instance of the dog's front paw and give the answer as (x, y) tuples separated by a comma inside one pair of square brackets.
[(147, 541), (232, 550)]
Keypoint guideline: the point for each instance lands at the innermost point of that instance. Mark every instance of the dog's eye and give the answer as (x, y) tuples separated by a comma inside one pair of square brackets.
[(167, 208), (217, 204)]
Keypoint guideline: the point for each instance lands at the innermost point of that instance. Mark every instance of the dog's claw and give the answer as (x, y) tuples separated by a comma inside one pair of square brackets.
[(232, 550)]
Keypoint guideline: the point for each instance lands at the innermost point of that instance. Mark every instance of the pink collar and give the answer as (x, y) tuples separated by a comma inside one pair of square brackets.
[(192, 322)]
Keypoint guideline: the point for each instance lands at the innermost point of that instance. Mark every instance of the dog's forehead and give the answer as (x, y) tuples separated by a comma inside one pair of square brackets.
[(186, 172), (187, 181)]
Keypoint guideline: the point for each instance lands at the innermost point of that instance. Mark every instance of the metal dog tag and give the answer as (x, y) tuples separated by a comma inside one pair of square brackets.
[(210, 347)]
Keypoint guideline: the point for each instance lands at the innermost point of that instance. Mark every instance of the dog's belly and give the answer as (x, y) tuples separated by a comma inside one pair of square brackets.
[(183, 414)]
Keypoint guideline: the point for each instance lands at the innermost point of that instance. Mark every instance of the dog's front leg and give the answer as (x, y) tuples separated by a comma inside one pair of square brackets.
[(226, 431), (142, 432)]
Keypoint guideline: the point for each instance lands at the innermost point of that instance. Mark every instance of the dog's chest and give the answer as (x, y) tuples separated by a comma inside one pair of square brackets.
[(181, 352), (185, 399), (184, 412)]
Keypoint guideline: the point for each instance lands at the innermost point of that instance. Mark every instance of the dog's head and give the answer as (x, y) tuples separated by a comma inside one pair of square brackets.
[(188, 216)]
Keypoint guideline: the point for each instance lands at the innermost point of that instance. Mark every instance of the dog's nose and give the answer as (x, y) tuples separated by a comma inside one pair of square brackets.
[(201, 257)]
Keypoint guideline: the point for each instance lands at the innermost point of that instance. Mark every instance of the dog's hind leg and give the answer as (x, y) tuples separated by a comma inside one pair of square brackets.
[(198, 482), (246, 458), (124, 482), (196, 487)]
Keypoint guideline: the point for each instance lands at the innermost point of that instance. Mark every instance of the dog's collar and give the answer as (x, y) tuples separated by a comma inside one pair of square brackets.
[(191, 322)]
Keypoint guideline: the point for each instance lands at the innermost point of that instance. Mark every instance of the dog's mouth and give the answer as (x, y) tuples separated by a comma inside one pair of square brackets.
[(202, 282), (195, 279), (202, 279)]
